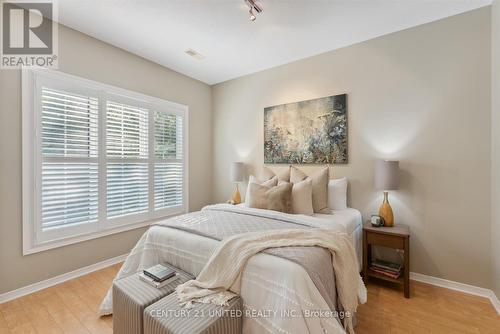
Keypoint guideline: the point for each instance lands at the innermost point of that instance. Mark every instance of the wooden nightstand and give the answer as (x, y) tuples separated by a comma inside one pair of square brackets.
[(397, 237)]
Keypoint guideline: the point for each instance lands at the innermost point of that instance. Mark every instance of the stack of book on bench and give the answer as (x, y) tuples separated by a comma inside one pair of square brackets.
[(389, 269), (158, 276)]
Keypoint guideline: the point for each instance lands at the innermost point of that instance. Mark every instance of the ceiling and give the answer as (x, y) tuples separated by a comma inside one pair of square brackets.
[(287, 30)]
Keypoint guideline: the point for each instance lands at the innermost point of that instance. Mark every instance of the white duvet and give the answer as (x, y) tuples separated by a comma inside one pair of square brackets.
[(278, 295)]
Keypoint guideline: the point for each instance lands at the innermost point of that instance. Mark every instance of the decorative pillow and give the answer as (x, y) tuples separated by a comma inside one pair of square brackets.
[(276, 198), (302, 197), (319, 184), (256, 196), (267, 174), (269, 183), (337, 194), (296, 175), (280, 197), (284, 175)]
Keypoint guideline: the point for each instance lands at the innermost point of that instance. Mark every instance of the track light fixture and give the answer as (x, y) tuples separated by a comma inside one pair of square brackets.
[(252, 16), (253, 5)]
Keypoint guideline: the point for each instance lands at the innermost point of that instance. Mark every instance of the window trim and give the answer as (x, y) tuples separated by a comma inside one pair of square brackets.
[(31, 155)]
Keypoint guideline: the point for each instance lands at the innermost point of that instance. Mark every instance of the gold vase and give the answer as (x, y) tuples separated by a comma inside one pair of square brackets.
[(236, 195), (385, 211)]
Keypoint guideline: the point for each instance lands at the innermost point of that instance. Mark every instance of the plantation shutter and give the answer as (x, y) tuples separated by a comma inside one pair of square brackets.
[(69, 169), (97, 159), (169, 164), (127, 166)]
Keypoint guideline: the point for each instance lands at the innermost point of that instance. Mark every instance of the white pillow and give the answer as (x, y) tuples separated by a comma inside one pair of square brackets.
[(337, 194)]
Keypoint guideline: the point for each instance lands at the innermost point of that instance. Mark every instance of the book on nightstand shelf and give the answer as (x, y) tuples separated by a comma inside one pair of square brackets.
[(389, 269)]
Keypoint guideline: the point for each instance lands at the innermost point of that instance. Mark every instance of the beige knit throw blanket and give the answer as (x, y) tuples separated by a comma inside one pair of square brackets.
[(228, 261)]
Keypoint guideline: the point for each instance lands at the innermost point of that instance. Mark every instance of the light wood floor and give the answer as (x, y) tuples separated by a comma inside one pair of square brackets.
[(71, 307)]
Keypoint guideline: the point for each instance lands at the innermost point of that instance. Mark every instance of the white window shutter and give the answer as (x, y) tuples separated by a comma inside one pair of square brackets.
[(127, 140), (69, 194), (127, 188), (169, 166), (69, 124), (126, 131), (97, 159), (168, 185), (69, 134)]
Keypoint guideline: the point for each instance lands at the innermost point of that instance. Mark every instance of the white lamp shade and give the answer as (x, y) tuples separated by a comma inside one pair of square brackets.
[(386, 175), (237, 172)]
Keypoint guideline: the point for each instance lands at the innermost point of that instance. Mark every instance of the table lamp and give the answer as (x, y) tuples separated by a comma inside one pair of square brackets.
[(237, 175), (386, 178)]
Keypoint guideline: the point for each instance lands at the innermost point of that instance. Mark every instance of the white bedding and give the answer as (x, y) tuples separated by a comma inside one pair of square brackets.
[(268, 283), (348, 220), (351, 219)]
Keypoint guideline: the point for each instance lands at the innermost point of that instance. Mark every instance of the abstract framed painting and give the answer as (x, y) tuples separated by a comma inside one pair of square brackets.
[(307, 132)]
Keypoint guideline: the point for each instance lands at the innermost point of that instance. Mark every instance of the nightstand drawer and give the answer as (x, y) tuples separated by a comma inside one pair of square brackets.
[(385, 240)]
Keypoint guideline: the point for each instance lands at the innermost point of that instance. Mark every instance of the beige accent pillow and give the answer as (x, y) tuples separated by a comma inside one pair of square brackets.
[(252, 179), (280, 197), (283, 175), (256, 196), (277, 198), (302, 197), (266, 174), (319, 185), (296, 175), (268, 183)]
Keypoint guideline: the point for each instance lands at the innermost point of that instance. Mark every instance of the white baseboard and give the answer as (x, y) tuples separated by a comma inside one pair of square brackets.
[(465, 288), (495, 301), (5, 297)]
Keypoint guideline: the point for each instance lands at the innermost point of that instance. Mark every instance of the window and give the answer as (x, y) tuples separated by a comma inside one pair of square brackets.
[(127, 164), (168, 160), (97, 159)]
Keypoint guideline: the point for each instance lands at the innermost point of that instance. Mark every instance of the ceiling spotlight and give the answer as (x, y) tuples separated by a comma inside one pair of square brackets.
[(252, 16), (253, 5)]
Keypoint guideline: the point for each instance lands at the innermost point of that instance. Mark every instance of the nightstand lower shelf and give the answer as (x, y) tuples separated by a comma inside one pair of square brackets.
[(399, 280)]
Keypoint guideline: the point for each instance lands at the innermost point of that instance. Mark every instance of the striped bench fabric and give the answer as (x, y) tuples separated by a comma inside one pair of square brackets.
[(166, 316), (131, 296)]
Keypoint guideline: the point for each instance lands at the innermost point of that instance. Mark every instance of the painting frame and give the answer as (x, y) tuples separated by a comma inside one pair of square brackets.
[(310, 132)]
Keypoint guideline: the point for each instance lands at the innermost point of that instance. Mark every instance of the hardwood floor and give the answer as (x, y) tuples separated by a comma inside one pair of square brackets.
[(429, 310), (71, 307)]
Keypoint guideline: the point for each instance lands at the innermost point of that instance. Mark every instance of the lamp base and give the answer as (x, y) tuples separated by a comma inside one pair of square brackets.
[(385, 211), (236, 195)]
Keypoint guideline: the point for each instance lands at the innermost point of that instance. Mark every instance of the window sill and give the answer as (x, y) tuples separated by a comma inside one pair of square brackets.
[(94, 235)]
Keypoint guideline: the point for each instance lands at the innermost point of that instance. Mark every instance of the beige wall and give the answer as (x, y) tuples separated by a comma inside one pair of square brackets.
[(84, 56), (495, 146), (421, 96)]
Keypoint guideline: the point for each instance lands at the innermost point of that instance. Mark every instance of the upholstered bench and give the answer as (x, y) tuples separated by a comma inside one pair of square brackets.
[(131, 296), (166, 316)]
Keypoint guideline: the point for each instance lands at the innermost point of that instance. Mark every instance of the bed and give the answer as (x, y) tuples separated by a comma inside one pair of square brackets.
[(351, 221), (278, 295)]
